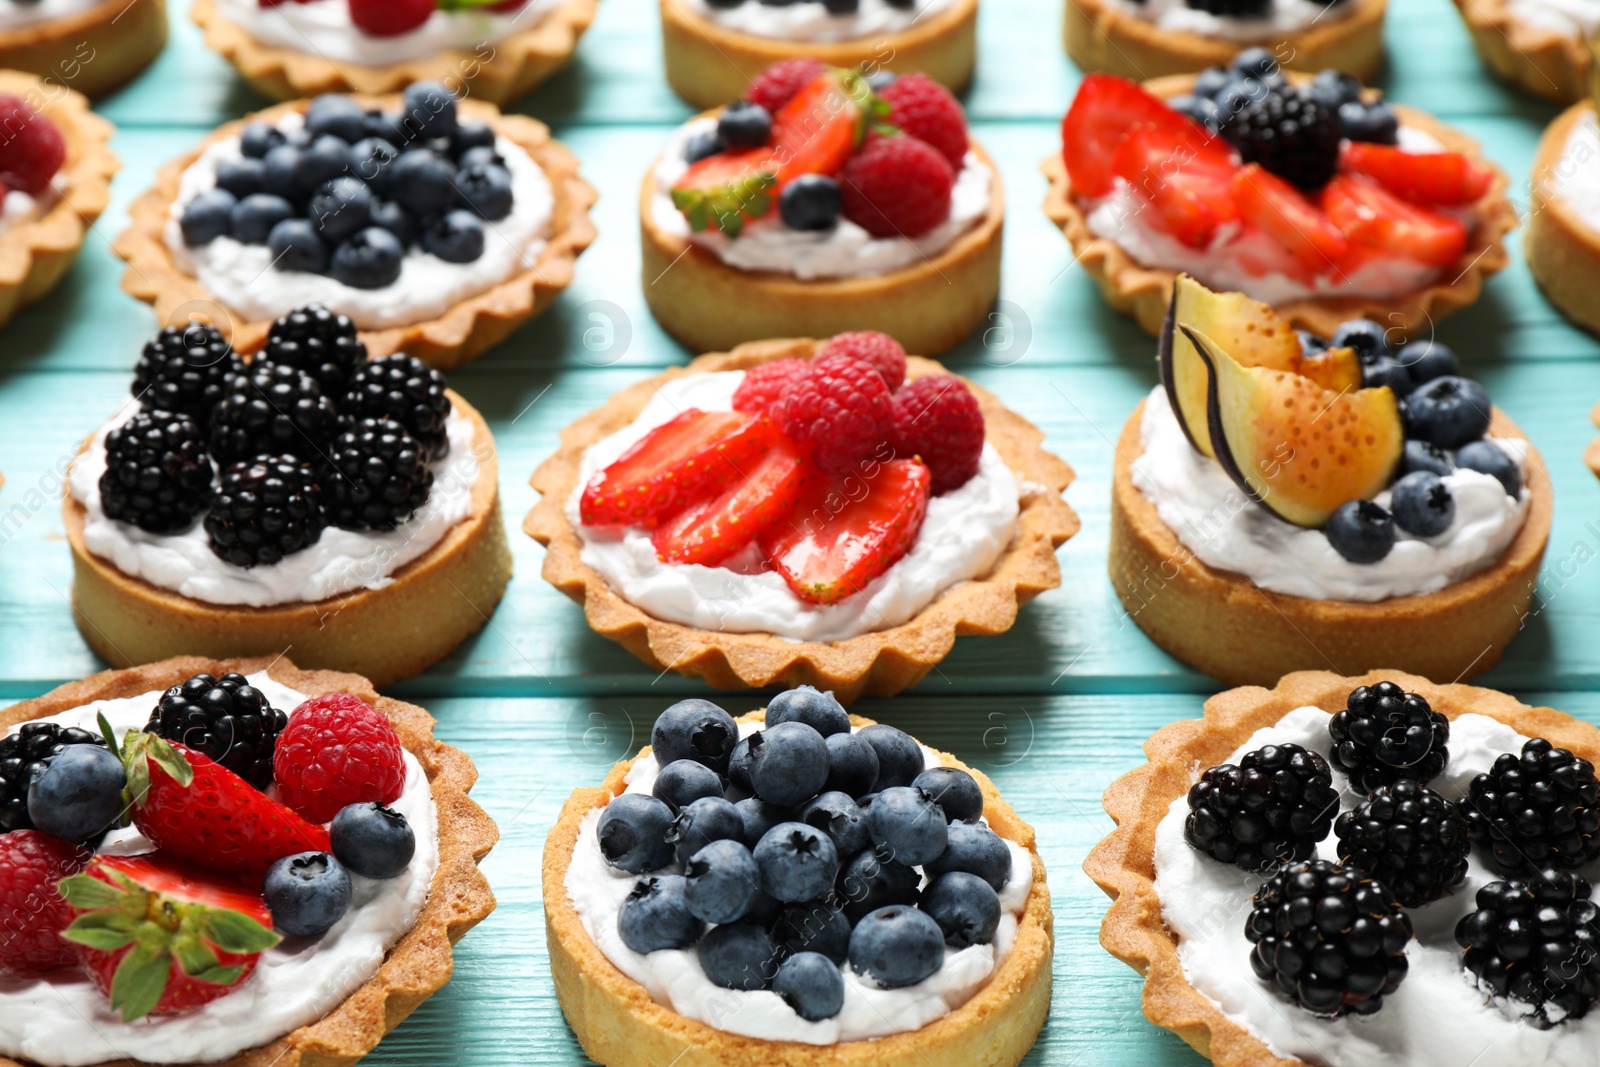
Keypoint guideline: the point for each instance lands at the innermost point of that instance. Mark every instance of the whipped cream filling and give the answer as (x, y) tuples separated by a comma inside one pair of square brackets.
[(64, 1021), (19, 208), (963, 536), (1437, 1018), (845, 251), (674, 979), (339, 561), (1215, 520), (806, 21), (1282, 16), (1575, 179), (242, 276), (1577, 18), (15, 16), (324, 27)]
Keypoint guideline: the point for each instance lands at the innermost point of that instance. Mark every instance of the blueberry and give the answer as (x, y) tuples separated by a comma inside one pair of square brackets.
[(744, 125), (388, 215), (1427, 360), (1201, 109), (207, 217), (797, 862), (430, 109), (739, 765), (899, 756), (738, 956), (423, 181), (810, 984), (881, 78), (1368, 338), (1334, 88), (811, 202), (1258, 63), (471, 135), (256, 215), (372, 840), (455, 237), (278, 173), (1423, 505), (1374, 123), (384, 126), (1422, 456), (814, 926), (897, 946), (954, 790), (656, 915), (338, 116), (702, 145), (633, 833), (788, 763), (702, 822), (341, 208), (258, 139), (241, 177), (473, 156), (372, 160), (852, 765), (966, 908), (369, 260), (1211, 81), (695, 729), (759, 817), (1448, 411), (1386, 370), (975, 849), (1361, 531), (722, 882), (765, 911), (837, 815), (868, 881), (296, 245), (908, 825), (1311, 343), (684, 781), (323, 161), (78, 794), (1487, 457), (307, 894), (485, 189), (816, 709)]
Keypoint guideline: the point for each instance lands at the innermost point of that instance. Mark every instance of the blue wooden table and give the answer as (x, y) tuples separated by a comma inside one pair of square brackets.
[(1053, 710)]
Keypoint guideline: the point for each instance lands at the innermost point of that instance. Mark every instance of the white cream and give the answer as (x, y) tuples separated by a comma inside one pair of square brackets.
[(1214, 519), (19, 208), (845, 251), (807, 20), (1576, 176), (64, 1021), (963, 536), (1576, 18), (324, 27), (339, 561), (674, 979), (15, 16), (243, 277), (1281, 17), (1437, 1018)]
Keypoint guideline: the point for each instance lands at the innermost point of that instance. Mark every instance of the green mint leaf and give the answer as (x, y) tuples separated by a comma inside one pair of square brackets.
[(141, 978), (234, 932), (90, 894)]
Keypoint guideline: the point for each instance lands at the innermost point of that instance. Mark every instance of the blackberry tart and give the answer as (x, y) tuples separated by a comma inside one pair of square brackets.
[(93, 46)]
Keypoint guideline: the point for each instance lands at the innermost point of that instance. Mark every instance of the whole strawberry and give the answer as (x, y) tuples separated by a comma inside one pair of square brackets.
[(763, 385), (937, 418), (31, 147), (897, 187), (336, 751), (885, 354), (839, 412), (32, 913), (928, 111), (779, 83)]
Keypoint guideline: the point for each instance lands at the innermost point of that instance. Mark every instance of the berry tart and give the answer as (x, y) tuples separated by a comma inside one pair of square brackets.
[(1310, 193), (802, 512), (1539, 46), (93, 46), (715, 49), (311, 499), (492, 50), (1562, 244), (438, 227), (1285, 501), (234, 861), (1366, 871), (821, 203), (799, 886)]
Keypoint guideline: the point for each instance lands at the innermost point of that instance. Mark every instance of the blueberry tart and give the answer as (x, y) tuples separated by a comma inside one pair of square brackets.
[(91, 46)]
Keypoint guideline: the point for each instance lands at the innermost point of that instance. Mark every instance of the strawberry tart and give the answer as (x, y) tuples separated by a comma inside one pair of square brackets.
[(1309, 193), (235, 862), (1540, 46), (91, 46), (1562, 244), (829, 513), (823, 201)]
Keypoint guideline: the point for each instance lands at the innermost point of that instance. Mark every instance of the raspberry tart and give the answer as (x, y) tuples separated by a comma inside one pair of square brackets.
[(801, 512), (759, 222), (234, 861), (309, 499), (1282, 501), (798, 886), (1539, 46), (438, 227), (1310, 193), (1563, 240), (492, 50), (93, 46)]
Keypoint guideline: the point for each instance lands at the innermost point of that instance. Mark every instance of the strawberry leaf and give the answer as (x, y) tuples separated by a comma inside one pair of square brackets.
[(104, 931), (90, 894), (107, 732), (220, 975), (194, 956), (236, 933), (170, 760), (139, 750), (141, 977)]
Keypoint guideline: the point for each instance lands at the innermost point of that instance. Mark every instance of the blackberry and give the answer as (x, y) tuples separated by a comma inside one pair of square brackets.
[(1288, 133), (272, 409), (377, 476), (265, 509), (407, 390), (1331, 940), (317, 341), (225, 718), (1272, 808), (157, 475), (1534, 940), (185, 369), (25, 753), (1409, 838), (1385, 734), (1535, 810)]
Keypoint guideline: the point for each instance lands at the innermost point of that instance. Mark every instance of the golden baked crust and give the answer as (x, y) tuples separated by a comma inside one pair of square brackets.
[(618, 1024), (1144, 292), (1102, 39), (421, 962), (1221, 623), (464, 331), (1562, 250), (92, 52), (1534, 59), (513, 65), (877, 664), (1123, 864), (709, 65), (1591, 455), (433, 603)]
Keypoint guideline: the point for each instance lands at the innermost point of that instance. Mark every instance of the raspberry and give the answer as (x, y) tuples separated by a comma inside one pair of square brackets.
[(33, 149), (869, 346), (763, 385), (390, 18), (32, 913), (929, 112), (897, 187), (777, 85), (938, 419), (338, 750), (839, 410)]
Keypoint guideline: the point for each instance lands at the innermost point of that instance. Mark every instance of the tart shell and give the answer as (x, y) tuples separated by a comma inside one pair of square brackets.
[(421, 962), (876, 664), (92, 52), (1562, 250), (1123, 864), (512, 66), (1145, 292), (1591, 455), (1221, 623), (463, 332), (432, 604), (1536, 60), (619, 1025), (929, 307), (709, 65)]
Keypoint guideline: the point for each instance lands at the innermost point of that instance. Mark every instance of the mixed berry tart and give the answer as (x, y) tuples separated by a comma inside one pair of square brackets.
[(1540, 46), (1283, 501), (235, 861), (828, 513), (436, 226), (1310, 193), (823, 202), (492, 50), (1365, 871), (797, 886), (91, 46), (309, 499), (1562, 244)]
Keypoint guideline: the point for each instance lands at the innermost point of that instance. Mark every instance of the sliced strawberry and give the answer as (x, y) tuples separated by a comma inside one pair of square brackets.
[(1445, 178), (1280, 210), (1105, 112), (696, 454), (1188, 190), (846, 531), (1370, 215), (715, 528)]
